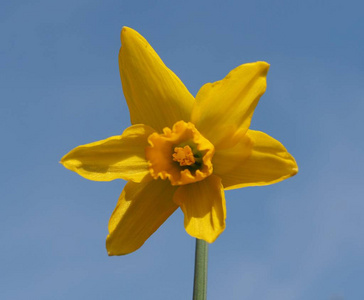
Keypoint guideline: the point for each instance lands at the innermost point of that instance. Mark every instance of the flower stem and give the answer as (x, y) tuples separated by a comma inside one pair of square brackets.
[(200, 282)]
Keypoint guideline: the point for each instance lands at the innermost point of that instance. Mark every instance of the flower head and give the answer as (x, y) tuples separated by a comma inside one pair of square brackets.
[(180, 151)]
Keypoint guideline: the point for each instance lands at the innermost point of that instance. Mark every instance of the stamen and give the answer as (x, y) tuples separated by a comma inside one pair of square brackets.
[(184, 156)]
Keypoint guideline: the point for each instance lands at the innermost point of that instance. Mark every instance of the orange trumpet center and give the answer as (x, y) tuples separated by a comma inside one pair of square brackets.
[(180, 154)]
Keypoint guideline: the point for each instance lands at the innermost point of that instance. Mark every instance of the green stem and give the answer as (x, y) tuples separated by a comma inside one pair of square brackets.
[(200, 282)]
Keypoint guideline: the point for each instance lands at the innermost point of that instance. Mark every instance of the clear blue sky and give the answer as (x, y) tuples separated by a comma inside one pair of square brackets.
[(60, 87)]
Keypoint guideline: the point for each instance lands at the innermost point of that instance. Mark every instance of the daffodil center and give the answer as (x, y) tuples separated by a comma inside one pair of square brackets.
[(184, 156), (180, 154)]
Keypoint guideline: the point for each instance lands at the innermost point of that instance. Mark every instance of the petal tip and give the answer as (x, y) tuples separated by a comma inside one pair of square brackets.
[(294, 170), (111, 251), (129, 35), (65, 162), (264, 67), (294, 165), (207, 238), (127, 32)]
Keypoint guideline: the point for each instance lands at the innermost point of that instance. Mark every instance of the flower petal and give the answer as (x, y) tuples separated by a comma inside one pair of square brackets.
[(227, 159), (268, 163), (116, 157), (141, 209), (223, 110), (203, 204), (155, 95)]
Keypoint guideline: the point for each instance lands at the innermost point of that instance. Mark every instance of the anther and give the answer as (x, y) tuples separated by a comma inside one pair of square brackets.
[(184, 156)]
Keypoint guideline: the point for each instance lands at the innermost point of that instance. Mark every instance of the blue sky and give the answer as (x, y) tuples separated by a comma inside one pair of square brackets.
[(60, 87)]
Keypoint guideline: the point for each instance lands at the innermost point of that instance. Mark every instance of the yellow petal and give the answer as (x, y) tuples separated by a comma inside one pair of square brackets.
[(116, 157), (141, 209), (203, 205), (227, 159), (268, 163), (155, 95), (223, 110)]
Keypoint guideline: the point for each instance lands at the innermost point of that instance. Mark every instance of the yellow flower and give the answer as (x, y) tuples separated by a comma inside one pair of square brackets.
[(180, 151)]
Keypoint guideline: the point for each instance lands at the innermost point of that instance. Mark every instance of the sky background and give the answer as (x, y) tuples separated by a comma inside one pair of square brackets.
[(302, 238)]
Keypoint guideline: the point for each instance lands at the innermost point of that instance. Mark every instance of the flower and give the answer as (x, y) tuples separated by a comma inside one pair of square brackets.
[(180, 151)]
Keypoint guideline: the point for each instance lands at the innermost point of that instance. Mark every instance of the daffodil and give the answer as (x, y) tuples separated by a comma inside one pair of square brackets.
[(180, 151)]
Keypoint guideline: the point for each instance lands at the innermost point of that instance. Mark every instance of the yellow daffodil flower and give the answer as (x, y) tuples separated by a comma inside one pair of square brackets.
[(180, 151)]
